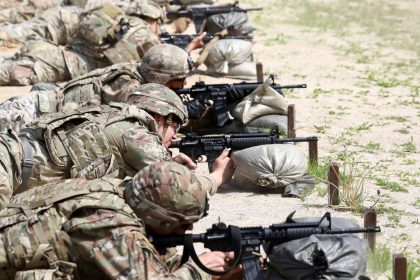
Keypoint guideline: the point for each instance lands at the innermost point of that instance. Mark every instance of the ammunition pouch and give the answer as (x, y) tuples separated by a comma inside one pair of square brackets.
[(76, 140)]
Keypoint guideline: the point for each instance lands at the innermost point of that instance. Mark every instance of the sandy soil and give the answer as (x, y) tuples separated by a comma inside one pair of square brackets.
[(361, 62)]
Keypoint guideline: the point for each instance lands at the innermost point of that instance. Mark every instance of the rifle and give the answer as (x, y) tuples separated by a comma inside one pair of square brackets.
[(213, 145), (199, 14), (182, 40), (223, 95), (245, 242)]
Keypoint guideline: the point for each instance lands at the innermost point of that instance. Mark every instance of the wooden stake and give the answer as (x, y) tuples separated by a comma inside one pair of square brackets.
[(313, 151), (370, 221), (291, 115), (260, 72), (333, 184), (399, 267)]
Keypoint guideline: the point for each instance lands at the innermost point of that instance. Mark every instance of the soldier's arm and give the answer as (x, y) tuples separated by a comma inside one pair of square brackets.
[(137, 146), (6, 168), (123, 251)]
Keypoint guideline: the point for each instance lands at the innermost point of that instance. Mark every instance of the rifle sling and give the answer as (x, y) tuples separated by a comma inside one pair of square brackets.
[(209, 46), (235, 235)]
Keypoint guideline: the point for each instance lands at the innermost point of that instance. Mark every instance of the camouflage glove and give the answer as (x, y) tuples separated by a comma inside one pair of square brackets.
[(196, 108)]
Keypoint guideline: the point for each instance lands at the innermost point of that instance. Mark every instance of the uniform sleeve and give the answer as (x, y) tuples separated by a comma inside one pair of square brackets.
[(116, 247), (131, 256), (137, 145), (208, 182), (6, 186), (6, 169), (143, 148)]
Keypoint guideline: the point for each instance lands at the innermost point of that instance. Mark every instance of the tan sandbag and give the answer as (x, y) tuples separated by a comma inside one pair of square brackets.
[(264, 100), (227, 53), (272, 166)]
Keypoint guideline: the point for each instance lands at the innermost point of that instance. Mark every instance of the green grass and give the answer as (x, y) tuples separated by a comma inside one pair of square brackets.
[(379, 261), (380, 264), (417, 203), (403, 131), (390, 185), (362, 127), (372, 147), (409, 146), (409, 161), (397, 118), (318, 91)]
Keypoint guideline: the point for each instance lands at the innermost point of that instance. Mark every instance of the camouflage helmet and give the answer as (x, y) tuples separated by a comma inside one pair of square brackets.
[(145, 8), (165, 62), (158, 99), (167, 195)]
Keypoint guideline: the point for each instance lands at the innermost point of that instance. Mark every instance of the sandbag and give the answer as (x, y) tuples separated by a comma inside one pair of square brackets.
[(227, 57), (262, 124), (264, 100), (275, 166), (321, 256), (235, 22)]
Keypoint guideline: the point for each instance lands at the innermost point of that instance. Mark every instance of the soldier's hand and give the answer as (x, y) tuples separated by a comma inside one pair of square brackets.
[(216, 260), (237, 273), (196, 43), (223, 168), (185, 160)]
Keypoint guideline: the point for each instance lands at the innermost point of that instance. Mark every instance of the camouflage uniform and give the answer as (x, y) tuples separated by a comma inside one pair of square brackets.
[(160, 64), (91, 229), (57, 24), (110, 140), (27, 9), (105, 36)]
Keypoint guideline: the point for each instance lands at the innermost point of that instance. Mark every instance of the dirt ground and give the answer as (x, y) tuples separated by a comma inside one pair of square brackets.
[(361, 62)]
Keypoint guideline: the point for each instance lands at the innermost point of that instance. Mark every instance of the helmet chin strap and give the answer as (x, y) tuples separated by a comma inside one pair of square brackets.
[(168, 122)]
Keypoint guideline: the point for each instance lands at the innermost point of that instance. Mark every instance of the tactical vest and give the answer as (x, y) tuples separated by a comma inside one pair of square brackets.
[(99, 29), (34, 227), (132, 45), (75, 140), (89, 87)]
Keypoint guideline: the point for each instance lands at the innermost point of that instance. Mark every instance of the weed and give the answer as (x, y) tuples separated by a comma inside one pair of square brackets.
[(319, 171), (305, 193), (390, 185), (352, 182), (409, 146), (413, 270), (363, 59), (321, 129), (280, 39), (317, 92), (363, 127), (379, 261), (397, 118), (394, 219), (372, 147), (380, 264), (417, 203), (409, 161), (322, 190), (402, 131)]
